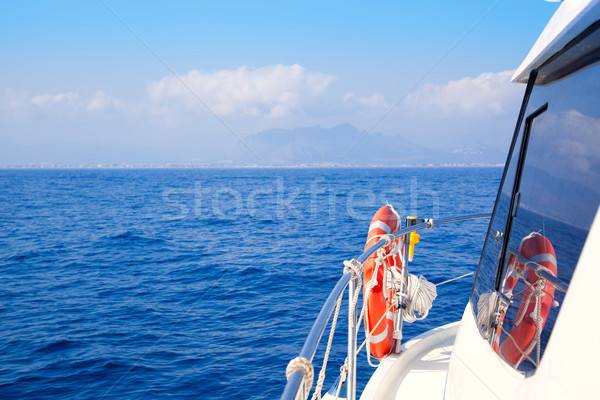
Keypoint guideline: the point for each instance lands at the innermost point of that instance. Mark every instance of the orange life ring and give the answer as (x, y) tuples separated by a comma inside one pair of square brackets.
[(538, 249), (385, 221)]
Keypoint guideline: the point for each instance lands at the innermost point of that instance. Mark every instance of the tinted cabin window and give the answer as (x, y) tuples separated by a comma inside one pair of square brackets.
[(543, 215)]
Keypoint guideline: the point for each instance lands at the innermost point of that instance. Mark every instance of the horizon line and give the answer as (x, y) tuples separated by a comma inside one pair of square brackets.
[(40, 166)]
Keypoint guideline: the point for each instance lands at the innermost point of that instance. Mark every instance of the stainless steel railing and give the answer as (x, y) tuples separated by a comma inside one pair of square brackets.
[(294, 389)]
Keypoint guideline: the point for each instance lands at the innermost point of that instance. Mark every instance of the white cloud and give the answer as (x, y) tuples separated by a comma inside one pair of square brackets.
[(101, 102), (563, 149), (15, 106), (68, 99), (68, 105), (484, 95), (21, 106), (11, 99), (374, 103), (273, 91)]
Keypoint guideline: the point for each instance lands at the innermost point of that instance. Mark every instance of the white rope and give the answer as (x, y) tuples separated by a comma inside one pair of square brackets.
[(518, 347), (388, 237), (487, 304), (344, 367), (319, 387), (356, 269), (343, 373), (303, 365), (537, 291), (418, 299), (454, 279), (420, 294), (368, 335)]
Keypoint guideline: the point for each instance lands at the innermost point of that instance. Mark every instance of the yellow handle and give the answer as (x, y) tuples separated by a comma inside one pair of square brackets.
[(413, 239)]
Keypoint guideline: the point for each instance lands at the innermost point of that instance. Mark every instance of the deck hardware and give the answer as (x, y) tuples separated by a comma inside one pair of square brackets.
[(294, 386)]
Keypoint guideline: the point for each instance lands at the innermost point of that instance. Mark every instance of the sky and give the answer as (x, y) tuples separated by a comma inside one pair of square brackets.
[(143, 81)]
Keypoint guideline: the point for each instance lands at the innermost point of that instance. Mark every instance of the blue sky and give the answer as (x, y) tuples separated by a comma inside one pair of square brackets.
[(77, 73)]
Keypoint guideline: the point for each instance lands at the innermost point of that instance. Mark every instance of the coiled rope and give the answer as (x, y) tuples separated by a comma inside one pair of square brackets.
[(420, 294)]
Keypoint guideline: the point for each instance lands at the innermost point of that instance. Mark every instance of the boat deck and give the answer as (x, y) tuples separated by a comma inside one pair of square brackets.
[(419, 370)]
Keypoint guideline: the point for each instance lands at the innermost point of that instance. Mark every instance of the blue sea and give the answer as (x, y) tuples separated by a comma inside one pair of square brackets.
[(203, 283)]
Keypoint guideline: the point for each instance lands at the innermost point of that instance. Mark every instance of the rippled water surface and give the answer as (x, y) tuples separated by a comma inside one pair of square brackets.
[(202, 283)]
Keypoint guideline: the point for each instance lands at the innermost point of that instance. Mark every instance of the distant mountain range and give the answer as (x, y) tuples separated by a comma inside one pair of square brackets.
[(346, 145), (341, 145)]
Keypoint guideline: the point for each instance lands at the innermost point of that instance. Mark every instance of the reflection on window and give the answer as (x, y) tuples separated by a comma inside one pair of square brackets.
[(556, 199), (487, 276), (522, 320)]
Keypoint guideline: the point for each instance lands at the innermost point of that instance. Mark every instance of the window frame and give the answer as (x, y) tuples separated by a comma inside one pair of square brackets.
[(517, 131)]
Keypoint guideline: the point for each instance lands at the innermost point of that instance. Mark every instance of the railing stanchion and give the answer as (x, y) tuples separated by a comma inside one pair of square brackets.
[(352, 329), (400, 310)]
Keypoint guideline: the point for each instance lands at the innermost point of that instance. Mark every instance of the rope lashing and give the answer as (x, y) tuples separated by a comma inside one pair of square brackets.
[(537, 291), (357, 270), (303, 365), (343, 374), (354, 267), (388, 237)]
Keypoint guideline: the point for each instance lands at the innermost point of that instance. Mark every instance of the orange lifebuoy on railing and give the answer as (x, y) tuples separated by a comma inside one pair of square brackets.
[(379, 303), (530, 319)]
